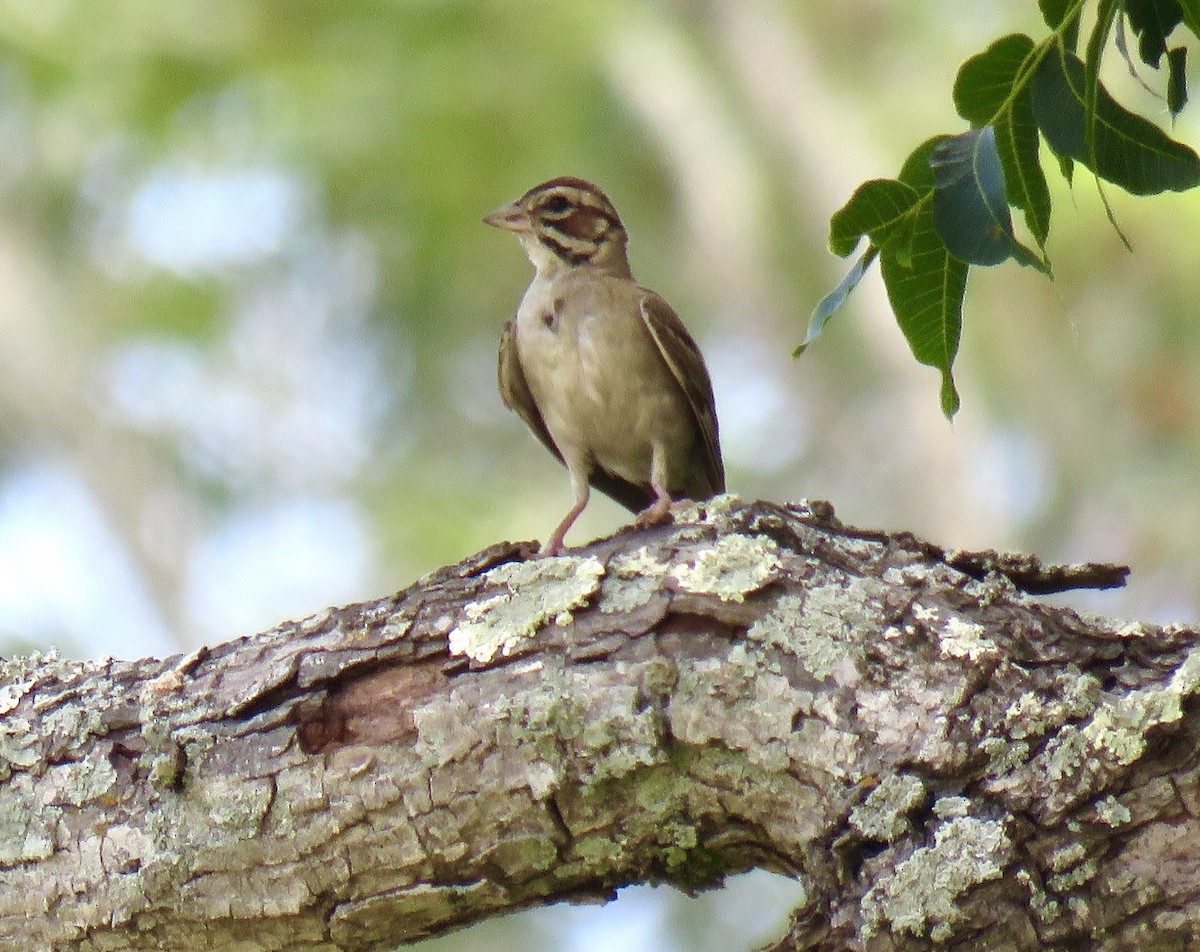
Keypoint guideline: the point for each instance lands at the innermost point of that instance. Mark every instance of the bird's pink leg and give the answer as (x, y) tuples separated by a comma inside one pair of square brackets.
[(554, 545), (657, 512)]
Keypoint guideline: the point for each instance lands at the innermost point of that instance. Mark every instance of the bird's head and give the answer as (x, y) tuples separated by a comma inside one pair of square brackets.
[(566, 223)]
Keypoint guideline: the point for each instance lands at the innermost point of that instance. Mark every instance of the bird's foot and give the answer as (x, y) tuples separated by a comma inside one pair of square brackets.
[(656, 513)]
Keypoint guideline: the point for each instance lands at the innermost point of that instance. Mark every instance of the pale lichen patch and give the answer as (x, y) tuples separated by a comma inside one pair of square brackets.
[(907, 716), (1112, 812), (921, 896), (1117, 730), (1068, 858), (686, 511), (125, 847), (542, 779), (1079, 908), (236, 807), (11, 694), (698, 711), (952, 807), (966, 639), (27, 669), (719, 507), (616, 739), (802, 627), (1072, 878), (82, 781), (1134, 629), (926, 614), (74, 723), (818, 630), (533, 852), (25, 836), (777, 627), (1004, 755), (883, 815), (1046, 909), (633, 579), (536, 592), (1072, 696), (20, 746), (638, 564), (1186, 678), (736, 566), (598, 851), (1027, 715), (822, 750), (550, 721)]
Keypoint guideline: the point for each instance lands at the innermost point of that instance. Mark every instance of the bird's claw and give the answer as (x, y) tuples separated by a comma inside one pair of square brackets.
[(655, 514)]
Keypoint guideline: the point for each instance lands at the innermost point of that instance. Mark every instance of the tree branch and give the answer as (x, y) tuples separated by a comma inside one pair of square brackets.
[(942, 760)]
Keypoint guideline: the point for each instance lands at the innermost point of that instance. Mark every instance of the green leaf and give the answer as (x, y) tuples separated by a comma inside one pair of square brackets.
[(1066, 166), (926, 293), (970, 201), (876, 209), (835, 299), (1177, 80), (1106, 15), (1054, 12), (990, 88), (1191, 15), (1152, 21), (927, 299), (901, 243), (915, 172), (984, 83), (1126, 150), (1017, 140)]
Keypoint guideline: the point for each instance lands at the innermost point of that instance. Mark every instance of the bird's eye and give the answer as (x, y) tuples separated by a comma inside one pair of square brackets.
[(556, 205)]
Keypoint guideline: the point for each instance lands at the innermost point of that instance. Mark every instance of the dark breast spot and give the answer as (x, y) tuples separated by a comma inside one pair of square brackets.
[(550, 318)]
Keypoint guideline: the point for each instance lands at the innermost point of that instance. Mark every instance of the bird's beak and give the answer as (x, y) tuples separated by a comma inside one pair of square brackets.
[(510, 217)]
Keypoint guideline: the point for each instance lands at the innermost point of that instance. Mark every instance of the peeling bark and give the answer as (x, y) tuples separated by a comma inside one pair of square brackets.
[(942, 760)]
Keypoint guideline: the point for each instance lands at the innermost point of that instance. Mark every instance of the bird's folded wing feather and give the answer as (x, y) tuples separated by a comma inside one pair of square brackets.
[(682, 357), (514, 389)]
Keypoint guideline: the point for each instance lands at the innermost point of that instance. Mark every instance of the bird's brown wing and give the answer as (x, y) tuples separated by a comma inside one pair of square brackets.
[(514, 390), (682, 357)]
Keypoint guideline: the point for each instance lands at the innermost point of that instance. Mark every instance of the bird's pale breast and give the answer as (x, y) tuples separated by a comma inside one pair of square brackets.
[(603, 391)]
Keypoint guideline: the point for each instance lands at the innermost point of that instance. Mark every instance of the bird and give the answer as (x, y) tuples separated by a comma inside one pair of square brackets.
[(599, 367)]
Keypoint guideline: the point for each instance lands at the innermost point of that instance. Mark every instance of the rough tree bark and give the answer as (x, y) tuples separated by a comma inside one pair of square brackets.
[(942, 760)]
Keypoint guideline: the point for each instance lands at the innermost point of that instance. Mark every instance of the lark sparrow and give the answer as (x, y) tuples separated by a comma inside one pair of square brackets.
[(600, 368)]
